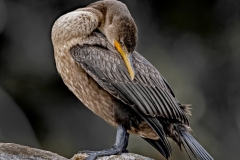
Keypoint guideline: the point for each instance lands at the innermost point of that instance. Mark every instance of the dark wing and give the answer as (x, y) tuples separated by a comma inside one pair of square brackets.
[(148, 92)]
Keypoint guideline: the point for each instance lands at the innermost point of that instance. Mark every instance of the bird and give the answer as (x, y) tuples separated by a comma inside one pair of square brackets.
[(94, 51)]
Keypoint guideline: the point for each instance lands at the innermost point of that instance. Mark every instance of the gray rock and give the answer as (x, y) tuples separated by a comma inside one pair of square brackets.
[(124, 156), (11, 151)]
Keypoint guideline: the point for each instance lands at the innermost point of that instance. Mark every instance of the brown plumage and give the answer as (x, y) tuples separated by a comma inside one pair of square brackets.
[(94, 53)]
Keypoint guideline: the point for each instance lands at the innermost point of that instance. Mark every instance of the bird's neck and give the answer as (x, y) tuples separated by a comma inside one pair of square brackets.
[(75, 26)]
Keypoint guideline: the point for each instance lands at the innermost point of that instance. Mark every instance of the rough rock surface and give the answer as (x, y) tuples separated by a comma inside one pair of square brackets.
[(124, 156), (10, 151)]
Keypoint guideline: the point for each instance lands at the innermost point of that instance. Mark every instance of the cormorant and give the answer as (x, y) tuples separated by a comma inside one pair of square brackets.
[(94, 49)]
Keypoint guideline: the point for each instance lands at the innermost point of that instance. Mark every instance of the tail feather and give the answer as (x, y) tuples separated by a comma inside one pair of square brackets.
[(157, 144), (162, 145), (191, 145)]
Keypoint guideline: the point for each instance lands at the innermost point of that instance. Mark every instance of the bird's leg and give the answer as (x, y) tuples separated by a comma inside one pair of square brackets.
[(119, 146)]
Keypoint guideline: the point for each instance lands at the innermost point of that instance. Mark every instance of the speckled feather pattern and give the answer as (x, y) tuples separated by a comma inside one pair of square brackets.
[(85, 88)]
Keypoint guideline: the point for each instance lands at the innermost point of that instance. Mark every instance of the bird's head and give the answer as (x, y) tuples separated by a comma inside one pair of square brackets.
[(123, 35), (119, 28)]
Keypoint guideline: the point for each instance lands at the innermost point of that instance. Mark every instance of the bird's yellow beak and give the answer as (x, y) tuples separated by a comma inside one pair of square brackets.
[(127, 59)]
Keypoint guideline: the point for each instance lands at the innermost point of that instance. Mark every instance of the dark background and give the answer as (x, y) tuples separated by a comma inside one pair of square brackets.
[(194, 44)]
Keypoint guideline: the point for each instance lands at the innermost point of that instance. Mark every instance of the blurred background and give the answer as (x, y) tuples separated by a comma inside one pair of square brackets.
[(194, 44)]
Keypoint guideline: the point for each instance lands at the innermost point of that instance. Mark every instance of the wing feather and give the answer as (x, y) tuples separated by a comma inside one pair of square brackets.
[(149, 91)]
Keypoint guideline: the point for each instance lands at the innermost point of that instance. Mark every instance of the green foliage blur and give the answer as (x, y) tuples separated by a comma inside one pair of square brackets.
[(194, 44)]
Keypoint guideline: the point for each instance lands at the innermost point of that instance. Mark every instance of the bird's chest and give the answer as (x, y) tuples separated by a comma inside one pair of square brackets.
[(85, 88)]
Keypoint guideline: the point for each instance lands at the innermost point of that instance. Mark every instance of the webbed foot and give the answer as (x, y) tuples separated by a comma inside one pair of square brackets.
[(119, 147)]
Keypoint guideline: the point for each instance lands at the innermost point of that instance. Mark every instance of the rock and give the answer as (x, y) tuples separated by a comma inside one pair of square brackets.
[(124, 156), (11, 151)]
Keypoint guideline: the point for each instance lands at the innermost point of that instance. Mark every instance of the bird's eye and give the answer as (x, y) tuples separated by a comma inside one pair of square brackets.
[(121, 42)]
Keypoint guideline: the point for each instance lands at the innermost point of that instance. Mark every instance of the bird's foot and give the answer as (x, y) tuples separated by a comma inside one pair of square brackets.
[(119, 147), (112, 151)]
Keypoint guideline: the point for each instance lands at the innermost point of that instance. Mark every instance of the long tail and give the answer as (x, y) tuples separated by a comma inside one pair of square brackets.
[(191, 146)]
